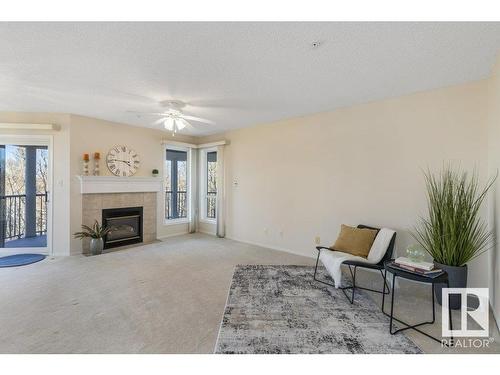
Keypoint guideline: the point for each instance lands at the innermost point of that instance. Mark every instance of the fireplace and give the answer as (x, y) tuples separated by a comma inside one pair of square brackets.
[(125, 224)]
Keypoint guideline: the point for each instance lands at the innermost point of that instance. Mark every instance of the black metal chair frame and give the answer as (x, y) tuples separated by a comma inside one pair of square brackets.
[(351, 263)]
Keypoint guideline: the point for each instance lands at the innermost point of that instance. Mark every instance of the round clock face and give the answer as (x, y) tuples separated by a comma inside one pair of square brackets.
[(122, 161)]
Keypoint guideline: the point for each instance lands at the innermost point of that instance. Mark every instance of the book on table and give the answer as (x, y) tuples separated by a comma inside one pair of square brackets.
[(421, 268), (426, 266)]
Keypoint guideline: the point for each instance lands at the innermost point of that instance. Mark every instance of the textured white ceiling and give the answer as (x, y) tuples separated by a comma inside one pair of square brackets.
[(236, 74)]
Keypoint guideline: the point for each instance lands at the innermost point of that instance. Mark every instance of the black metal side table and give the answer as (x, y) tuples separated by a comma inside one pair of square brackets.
[(396, 272)]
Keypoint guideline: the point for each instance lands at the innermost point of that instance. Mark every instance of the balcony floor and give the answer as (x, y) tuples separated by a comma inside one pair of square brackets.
[(38, 241)]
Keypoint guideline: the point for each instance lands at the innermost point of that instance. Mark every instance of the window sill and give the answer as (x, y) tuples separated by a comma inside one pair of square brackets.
[(175, 222)]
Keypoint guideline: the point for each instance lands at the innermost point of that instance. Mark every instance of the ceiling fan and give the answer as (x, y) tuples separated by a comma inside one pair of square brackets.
[(172, 117)]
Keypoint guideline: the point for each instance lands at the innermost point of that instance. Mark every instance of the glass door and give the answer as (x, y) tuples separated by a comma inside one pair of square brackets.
[(24, 195)]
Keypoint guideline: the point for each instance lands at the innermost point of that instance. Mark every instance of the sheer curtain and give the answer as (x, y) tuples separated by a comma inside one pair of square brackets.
[(221, 196)]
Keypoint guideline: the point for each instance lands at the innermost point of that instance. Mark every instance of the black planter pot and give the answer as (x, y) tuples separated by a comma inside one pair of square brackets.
[(457, 277)]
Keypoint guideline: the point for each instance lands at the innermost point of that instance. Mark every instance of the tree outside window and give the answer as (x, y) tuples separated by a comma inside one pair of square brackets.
[(176, 185), (211, 184)]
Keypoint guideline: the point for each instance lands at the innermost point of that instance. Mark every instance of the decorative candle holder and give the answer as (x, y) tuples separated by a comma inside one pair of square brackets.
[(97, 158), (86, 164)]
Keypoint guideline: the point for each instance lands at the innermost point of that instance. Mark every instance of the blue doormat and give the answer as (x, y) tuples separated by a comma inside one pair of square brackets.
[(20, 260)]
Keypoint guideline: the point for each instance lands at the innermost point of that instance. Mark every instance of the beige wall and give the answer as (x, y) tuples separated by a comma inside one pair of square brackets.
[(89, 135), (494, 166), (61, 177), (304, 177)]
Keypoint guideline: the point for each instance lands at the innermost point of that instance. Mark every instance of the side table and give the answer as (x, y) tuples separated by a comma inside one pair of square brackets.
[(396, 272)]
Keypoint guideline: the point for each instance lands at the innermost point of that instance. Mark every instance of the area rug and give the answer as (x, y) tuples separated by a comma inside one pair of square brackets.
[(20, 260), (281, 309)]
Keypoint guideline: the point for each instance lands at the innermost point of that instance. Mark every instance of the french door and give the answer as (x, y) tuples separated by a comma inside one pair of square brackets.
[(25, 199)]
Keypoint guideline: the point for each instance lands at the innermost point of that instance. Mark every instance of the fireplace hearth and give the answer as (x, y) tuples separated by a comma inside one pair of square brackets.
[(125, 224)]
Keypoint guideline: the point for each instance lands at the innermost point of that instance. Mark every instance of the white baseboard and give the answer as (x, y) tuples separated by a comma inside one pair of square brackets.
[(271, 247), (171, 235), (206, 232)]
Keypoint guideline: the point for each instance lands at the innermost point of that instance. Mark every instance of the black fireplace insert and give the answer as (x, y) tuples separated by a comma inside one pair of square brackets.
[(125, 224)]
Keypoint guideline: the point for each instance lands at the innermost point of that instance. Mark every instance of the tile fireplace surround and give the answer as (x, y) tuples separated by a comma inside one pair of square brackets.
[(102, 192), (93, 204)]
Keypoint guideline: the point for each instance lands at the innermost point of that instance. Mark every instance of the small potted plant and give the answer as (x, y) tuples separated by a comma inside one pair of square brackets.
[(155, 172), (454, 232), (96, 234)]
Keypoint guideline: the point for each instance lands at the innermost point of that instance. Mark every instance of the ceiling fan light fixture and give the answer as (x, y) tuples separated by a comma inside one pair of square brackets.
[(172, 117), (169, 123), (181, 123)]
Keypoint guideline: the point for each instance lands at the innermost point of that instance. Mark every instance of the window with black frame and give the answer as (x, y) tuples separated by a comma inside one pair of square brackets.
[(176, 185), (211, 177)]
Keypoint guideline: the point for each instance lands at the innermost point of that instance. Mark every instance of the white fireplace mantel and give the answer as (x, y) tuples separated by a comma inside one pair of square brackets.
[(112, 184)]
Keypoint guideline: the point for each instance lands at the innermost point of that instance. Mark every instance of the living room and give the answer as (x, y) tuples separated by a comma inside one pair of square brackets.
[(250, 187)]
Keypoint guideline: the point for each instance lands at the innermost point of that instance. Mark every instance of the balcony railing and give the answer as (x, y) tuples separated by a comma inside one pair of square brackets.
[(211, 204), (179, 200), (175, 204), (15, 211)]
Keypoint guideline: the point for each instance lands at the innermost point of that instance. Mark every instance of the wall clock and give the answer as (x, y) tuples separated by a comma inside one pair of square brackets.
[(123, 161)]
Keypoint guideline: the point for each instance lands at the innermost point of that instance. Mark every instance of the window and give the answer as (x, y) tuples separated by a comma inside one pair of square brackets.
[(176, 184), (209, 181)]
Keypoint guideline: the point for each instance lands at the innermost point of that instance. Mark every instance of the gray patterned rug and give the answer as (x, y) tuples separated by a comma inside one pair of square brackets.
[(281, 309)]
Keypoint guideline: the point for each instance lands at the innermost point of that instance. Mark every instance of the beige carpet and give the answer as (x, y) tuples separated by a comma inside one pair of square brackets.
[(166, 297)]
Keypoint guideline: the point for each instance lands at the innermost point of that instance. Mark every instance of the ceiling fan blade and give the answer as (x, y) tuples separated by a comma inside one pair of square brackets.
[(198, 119), (159, 121), (183, 121), (148, 113), (190, 128)]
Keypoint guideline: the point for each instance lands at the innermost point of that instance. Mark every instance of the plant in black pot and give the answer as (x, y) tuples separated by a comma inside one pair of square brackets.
[(454, 233), (96, 234)]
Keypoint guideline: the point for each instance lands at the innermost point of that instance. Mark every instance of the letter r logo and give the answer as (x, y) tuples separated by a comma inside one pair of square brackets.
[(479, 315)]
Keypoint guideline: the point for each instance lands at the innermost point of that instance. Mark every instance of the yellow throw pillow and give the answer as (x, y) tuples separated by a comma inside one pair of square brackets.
[(355, 241)]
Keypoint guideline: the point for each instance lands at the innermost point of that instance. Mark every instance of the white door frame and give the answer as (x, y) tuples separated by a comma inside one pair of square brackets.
[(35, 140)]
